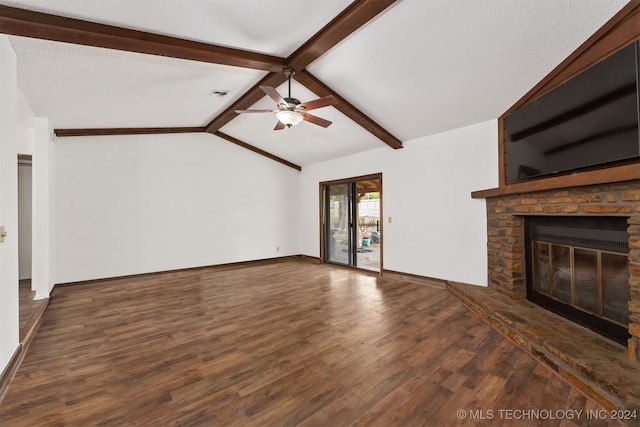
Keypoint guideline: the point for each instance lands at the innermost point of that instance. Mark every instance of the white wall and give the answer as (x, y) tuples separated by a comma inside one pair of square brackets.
[(8, 204), (138, 204), (24, 220), (437, 229), (26, 139), (44, 197)]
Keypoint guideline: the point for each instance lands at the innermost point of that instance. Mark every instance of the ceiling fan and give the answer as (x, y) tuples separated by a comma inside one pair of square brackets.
[(290, 110)]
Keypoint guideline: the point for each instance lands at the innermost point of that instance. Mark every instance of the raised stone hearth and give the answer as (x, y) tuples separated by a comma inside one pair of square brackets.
[(505, 228), (596, 365), (602, 368)]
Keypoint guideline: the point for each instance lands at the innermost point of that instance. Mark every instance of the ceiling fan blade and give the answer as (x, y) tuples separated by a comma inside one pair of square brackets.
[(254, 111), (319, 103), (273, 94), (316, 120), (279, 126)]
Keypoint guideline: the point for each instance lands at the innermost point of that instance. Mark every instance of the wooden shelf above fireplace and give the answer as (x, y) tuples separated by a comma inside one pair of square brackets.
[(623, 173)]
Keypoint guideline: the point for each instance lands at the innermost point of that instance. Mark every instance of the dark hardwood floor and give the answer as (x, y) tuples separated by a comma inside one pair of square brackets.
[(29, 310), (26, 304), (292, 343)]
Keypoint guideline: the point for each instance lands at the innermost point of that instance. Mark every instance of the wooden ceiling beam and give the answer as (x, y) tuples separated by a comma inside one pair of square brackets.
[(62, 133), (348, 21), (257, 150), (27, 23), (316, 86), (125, 131), (249, 98)]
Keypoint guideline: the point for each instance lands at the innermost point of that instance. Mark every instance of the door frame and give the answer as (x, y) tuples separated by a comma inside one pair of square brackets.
[(321, 210)]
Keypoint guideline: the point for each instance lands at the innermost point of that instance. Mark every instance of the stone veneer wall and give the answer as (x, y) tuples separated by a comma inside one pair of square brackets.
[(505, 228)]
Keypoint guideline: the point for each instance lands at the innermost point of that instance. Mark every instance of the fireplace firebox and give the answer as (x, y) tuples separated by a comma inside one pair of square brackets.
[(578, 267)]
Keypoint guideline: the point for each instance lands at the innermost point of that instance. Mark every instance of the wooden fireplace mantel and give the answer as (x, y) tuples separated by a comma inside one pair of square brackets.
[(623, 173)]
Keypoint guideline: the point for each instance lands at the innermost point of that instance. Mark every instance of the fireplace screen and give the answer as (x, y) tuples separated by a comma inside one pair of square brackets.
[(594, 281), (579, 268)]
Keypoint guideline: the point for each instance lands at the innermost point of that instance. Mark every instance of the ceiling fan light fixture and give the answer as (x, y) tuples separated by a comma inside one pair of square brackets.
[(289, 118)]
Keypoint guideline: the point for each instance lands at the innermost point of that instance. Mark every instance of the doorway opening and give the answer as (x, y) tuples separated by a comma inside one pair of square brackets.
[(351, 226), (29, 308)]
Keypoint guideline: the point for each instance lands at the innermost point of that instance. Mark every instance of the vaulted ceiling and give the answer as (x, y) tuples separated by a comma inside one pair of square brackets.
[(400, 69)]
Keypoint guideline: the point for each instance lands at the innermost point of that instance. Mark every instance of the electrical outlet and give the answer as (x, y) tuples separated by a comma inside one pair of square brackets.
[(3, 234), (389, 220), (277, 248)]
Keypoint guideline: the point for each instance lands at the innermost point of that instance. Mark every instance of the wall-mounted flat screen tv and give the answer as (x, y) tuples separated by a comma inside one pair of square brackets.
[(590, 120)]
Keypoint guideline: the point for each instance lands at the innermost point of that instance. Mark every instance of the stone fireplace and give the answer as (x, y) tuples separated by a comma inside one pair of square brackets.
[(574, 269), (507, 259)]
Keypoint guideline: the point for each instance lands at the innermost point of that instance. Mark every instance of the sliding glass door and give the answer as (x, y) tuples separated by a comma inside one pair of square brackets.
[(338, 222), (351, 226)]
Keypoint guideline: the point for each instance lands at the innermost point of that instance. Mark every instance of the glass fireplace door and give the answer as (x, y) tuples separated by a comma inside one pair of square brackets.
[(579, 268)]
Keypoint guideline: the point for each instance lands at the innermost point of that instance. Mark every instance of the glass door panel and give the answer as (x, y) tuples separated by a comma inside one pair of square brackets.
[(561, 272), (585, 276), (615, 284), (368, 229), (338, 220)]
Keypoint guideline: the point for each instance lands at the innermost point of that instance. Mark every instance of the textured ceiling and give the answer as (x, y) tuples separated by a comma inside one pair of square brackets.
[(275, 27), (419, 68), (78, 86), (430, 66)]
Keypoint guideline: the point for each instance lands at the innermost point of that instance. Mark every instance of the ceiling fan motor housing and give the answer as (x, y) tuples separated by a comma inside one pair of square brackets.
[(292, 102)]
